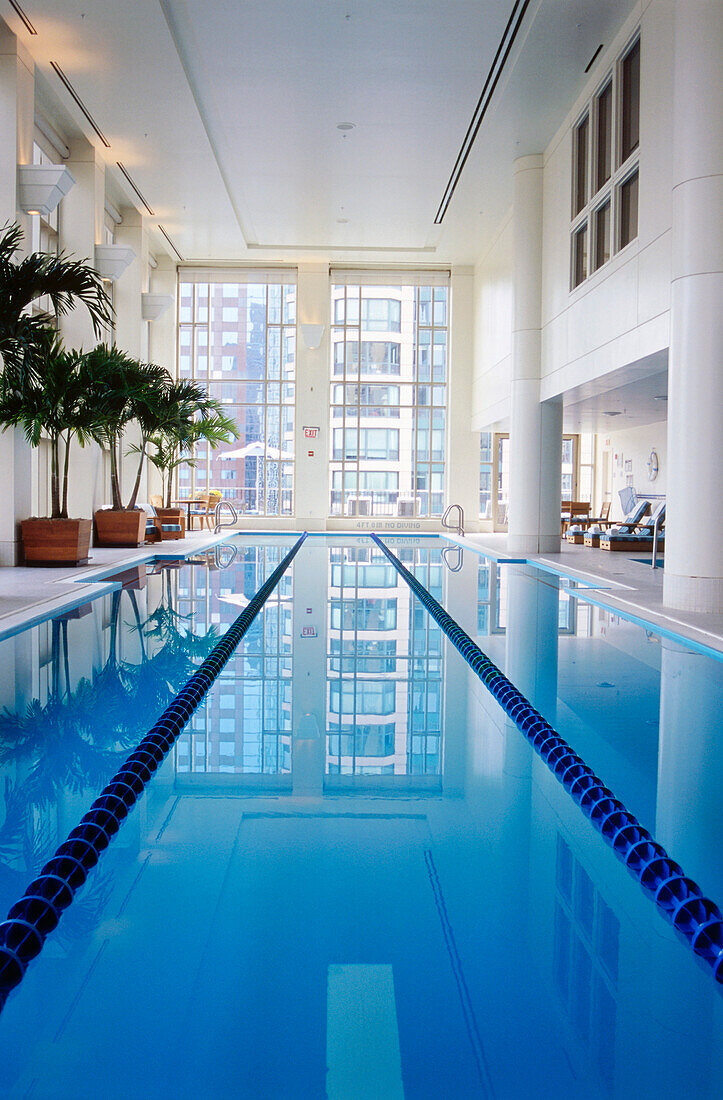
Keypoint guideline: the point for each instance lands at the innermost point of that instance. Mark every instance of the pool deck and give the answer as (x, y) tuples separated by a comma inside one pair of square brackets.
[(31, 594), (622, 584)]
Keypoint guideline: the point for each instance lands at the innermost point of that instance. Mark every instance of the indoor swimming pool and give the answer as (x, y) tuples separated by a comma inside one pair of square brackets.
[(352, 876)]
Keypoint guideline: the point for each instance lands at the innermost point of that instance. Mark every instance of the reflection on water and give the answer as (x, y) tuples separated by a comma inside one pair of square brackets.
[(88, 685), (345, 751), (243, 727), (385, 668)]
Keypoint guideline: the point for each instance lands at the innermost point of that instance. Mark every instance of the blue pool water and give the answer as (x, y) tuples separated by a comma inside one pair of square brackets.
[(352, 877)]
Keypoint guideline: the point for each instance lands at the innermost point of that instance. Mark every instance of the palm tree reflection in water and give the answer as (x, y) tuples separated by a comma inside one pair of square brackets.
[(54, 752)]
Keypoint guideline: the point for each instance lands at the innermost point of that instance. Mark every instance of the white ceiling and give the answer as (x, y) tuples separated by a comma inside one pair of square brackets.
[(629, 397), (226, 114)]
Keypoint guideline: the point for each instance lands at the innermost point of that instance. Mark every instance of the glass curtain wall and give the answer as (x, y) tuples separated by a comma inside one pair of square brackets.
[(239, 340), (388, 399)]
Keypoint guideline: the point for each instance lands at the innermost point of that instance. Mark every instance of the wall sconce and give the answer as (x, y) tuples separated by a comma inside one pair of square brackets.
[(111, 260), (312, 335), (307, 729), (153, 305), (42, 186)]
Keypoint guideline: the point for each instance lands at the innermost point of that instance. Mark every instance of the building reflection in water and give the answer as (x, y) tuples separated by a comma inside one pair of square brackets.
[(384, 667), (242, 727)]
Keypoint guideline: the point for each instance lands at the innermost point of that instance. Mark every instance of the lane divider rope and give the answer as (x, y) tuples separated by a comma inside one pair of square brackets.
[(681, 901), (37, 913)]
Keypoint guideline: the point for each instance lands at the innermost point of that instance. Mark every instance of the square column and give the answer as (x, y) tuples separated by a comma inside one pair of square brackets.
[(81, 229), (463, 458), (18, 461), (311, 488)]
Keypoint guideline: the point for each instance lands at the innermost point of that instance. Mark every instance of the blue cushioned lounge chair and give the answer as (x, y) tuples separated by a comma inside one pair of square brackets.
[(627, 526), (641, 537)]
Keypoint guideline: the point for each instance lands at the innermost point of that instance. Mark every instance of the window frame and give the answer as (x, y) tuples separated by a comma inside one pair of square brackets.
[(598, 194), (416, 403)]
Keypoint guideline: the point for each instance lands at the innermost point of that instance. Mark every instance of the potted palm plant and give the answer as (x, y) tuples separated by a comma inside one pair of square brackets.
[(66, 282), (192, 417), (49, 399), (124, 391), (32, 362)]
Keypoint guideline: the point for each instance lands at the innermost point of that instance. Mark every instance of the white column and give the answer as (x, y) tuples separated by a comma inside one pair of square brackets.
[(535, 428), (80, 221), (81, 229), (162, 332), (311, 489), (162, 341), (462, 474), (694, 527), (308, 754), (131, 331), (19, 463)]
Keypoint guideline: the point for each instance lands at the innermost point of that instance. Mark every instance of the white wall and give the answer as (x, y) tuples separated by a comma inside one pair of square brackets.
[(633, 446), (493, 304), (622, 312)]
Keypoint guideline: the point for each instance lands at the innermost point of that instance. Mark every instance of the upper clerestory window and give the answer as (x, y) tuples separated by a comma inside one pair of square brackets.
[(605, 169)]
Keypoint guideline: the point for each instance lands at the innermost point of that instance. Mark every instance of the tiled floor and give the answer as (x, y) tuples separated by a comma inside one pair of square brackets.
[(29, 594)]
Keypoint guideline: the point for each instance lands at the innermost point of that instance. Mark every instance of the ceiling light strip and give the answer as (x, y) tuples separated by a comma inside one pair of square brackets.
[(171, 243), (498, 63), (593, 59), (132, 184), (71, 90), (21, 15)]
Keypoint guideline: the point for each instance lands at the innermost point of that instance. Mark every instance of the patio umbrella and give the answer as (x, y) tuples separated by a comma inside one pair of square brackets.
[(259, 449)]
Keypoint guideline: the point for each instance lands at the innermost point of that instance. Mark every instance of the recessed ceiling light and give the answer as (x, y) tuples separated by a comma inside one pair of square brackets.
[(345, 126), (661, 397), (612, 412), (342, 221)]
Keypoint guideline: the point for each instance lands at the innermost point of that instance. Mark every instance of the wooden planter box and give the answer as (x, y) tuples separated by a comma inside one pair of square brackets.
[(56, 541), (120, 528)]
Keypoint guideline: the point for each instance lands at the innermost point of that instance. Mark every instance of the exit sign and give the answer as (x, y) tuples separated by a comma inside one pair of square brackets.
[(308, 632), (311, 433)]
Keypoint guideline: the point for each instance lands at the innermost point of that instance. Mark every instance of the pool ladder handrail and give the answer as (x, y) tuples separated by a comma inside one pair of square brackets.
[(217, 513), (453, 564), (218, 559), (656, 535), (458, 527)]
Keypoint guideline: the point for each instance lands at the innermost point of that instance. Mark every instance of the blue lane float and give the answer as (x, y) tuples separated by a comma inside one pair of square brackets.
[(681, 901), (38, 911)]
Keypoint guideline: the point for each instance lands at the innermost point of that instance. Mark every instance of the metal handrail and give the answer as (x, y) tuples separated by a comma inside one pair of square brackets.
[(224, 563), (448, 552), (217, 515), (458, 528), (656, 533)]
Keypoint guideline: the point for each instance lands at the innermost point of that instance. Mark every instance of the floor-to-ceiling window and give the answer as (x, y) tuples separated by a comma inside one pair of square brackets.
[(237, 335), (388, 396), (576, 482)]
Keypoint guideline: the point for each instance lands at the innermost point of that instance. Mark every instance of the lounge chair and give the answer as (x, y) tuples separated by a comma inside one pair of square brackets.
[(627, 526), (641, 537)]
